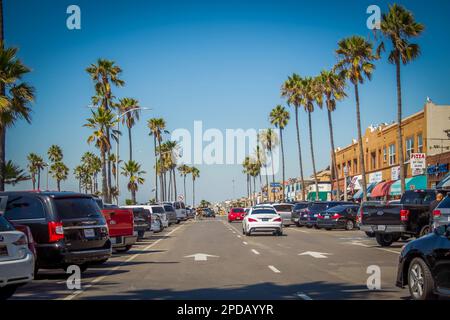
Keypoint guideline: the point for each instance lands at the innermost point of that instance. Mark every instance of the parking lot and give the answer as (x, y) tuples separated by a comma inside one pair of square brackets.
[(211, 259)]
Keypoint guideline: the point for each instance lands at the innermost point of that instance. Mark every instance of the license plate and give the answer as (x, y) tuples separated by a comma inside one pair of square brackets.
[(265, 219), (315, 216), (381, 228), (89, 233), (327, 217), (113, 240), (3, 251), (135, 233), (238, 218)]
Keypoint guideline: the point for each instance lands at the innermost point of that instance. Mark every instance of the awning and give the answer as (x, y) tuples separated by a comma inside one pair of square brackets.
[(414, 183), (381, 189), (359, 193), (323, 196), (444, 183)]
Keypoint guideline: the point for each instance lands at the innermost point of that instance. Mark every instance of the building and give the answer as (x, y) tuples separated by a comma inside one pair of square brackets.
[(426, 132)]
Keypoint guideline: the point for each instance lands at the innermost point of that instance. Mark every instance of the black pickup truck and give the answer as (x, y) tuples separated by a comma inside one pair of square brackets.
[(409, 218)]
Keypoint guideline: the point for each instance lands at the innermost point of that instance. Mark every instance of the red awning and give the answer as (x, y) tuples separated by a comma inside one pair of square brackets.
[(381, 189)]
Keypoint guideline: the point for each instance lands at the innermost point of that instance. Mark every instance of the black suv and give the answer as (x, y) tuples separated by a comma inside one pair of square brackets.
[(68, 228)]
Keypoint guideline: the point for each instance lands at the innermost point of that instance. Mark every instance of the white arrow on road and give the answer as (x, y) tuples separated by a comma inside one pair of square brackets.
[(318, 255), (201, 256)]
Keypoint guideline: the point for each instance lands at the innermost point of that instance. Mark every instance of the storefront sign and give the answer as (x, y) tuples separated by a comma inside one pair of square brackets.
[(375, 177), (395, 173), (418, 161)]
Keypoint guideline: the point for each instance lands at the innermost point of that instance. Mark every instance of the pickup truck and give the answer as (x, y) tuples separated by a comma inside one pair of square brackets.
[(392, 221), (120, 225)]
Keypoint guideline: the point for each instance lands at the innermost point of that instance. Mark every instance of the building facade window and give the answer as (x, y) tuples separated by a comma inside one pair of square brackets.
[(373, 160), (392, 154), (419, 143), (409, 147), (384, 154)]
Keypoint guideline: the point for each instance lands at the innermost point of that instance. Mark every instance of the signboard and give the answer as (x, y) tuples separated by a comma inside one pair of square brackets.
[(375, 177), (418, 161), (180, 198), (275, 185), (395, 173)]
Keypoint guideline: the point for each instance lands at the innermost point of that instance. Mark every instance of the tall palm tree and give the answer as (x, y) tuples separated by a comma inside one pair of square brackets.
[(59, 172), (269, 141), (132, 170), (184, 171), (131, 106), (157, 126), (356, 58), (292, 89), (105, 73), (246, 171), (101, 120), (15, 98), (14, 174), (399, 25), (195, 173), (55, 153), (279, 117), (35, 165), (333, 87)]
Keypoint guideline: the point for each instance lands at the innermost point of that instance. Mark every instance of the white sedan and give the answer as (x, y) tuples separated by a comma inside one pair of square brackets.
[(16, 259), (262, 219)]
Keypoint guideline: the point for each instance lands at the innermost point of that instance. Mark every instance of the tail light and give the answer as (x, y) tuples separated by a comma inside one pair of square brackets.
[(320, 216), (55, 231), (404, 215), (252, 220), (436, 213), (276, 220), (336, 216)]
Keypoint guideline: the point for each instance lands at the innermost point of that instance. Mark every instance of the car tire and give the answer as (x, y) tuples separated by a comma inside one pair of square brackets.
[(7, 292), (384, 239), (316, 227), (370, 234), (420, 280), (349, 225), (141, 234), (424, 231), (308, 226), (298, 225), (124, 249)]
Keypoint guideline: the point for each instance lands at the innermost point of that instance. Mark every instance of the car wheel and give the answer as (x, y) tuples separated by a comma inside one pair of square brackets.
[(280, 233), (141, 234), (424, 231), (7, 292), (308, 226), (124, 249), (370, 234), (420, 280), (384, 239), (298, 225), (349, 225)]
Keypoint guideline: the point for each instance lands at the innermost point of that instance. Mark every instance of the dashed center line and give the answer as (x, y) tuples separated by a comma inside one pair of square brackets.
[(245, 242), (274, 269), (254, 251)]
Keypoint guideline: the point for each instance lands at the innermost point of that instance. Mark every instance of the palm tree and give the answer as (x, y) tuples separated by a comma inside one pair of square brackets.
[(157, 126), (101, 121), (356, 62), (79, 173), (333, 87), (269, 141), (14, 174), (292, 89), (184, 171), (399, 26), (279, 117), (104, 73), (195, 173), (35, 165), (59, 172), (129, 106), (171, 164), (15, 98), (132, 170), (54, 153), (246, 171), (260, 156)]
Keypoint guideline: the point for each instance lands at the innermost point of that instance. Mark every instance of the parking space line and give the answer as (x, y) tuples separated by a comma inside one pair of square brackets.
[(245, 242), (254, 251), (274, 269)]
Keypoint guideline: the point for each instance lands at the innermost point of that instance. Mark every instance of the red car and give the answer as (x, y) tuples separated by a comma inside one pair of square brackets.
[(236, 214)]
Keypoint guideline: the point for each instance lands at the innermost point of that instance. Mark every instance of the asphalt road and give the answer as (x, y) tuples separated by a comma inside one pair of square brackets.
[(239, 267)]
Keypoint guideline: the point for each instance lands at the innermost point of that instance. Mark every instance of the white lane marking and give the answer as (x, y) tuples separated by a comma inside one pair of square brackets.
[(274, 269), (245, 242), (254, 251), (358, 243), (303, 296), (298, 230), (239, 236), (201, 256), (100, 278), (389, 250), (314, 254)]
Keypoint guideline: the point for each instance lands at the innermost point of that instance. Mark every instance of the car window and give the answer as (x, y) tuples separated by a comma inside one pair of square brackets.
[(5, 225), (182, 205), (300, 206), (283, 207), (318, 206), (177, 205), (445, 203), (24, 207), (418, 198), (71, 208), (263, 211), (161, 209), (237, 210)]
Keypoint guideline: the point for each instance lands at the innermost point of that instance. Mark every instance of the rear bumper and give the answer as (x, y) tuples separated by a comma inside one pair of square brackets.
[(268, 227), (330, 223), (388, 229), (123, 241), (17, 271)]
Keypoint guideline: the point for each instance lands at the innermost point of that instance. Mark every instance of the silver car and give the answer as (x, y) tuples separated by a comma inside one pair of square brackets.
[(169, 211), (156, 225), (285, 211), (441, 215)]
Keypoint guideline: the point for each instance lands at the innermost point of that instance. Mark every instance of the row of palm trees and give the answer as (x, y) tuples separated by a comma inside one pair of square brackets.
[(356, 57)]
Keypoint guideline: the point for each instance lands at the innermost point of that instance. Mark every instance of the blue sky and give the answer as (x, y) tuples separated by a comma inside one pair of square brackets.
[(221, 62)]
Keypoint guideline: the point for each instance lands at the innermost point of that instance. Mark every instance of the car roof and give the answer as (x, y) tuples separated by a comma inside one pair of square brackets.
[(52, 194)]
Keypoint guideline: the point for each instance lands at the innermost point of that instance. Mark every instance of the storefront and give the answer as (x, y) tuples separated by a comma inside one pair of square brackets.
[(438, 167), (359, 193), (414, 183)]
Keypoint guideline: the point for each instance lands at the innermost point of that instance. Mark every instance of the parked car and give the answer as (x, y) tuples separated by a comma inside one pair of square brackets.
[(142, 220), (180, 210), (392, 221), (27, 231), (285, 212), (297, 210), (338, 217), (169, 210), (68, 228), (370, 234), (424, 265), (158, 210), (236, 214), (208, 213), (157, 225), (190, 213), (308, 216), (120, 226), (262, 219), (16, 259), (441, 214)]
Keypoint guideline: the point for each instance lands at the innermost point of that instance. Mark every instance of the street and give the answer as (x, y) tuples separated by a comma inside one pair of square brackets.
[(211, 259)]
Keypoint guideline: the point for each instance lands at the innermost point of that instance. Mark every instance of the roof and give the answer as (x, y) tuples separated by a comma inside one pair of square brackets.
[(53, 194)]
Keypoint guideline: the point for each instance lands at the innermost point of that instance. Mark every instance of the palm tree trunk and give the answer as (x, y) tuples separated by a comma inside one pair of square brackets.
[(109, 176), (401, 160), (39, 179), (58, 184), (300, 153), (273, 173), (361, 149), (156, 170), (333, 155), (133, 196), (311, 145), (282, 161), (267, 181), (130, 142), (254, 190), (33, 181), (184, 187), (169, 189), (104, 181), (193, 193), (161, 185), (174, 184)]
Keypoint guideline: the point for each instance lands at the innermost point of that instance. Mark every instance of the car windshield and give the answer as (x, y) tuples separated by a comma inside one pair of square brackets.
[(167, 208), (445, 203), (237, 210), (5, 225), (161, 209), (340, 208), (300, 206), (263, 211), (71, 208), (283, 207), (318, 206)]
